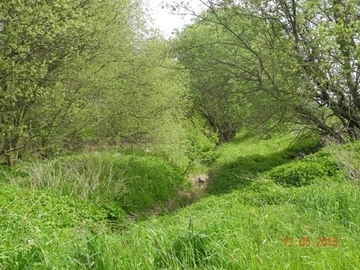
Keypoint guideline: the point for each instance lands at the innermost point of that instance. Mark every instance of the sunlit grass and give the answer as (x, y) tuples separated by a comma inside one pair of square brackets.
[(241, 236), (242, 228)]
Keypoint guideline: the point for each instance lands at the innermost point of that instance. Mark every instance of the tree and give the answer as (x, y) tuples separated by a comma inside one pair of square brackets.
[(304, 55), (50, 54), (143, 103), (325, 40), (228, 84)]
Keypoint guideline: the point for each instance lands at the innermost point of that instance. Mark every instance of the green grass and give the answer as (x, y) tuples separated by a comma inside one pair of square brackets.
[(260, 195), (134, 183), (242, 161), (235, 232)]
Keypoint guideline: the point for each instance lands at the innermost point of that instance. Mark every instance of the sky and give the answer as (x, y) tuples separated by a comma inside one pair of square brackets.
[(164, 20)]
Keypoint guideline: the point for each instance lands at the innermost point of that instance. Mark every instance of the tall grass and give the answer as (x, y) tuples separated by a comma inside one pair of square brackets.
[(242, 161), (135, 183), (347, 159), (79, 176), (224, 233), (230, 234), (242, 228)]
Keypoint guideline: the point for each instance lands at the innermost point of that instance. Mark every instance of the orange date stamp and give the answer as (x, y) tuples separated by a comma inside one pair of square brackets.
[(307, 242)]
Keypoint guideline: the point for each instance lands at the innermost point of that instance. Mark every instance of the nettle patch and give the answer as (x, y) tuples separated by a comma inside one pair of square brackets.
[(311, 169)]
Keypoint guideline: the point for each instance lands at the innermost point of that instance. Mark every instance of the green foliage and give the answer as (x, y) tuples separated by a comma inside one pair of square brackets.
[(27, 225), (80, 176), (238, 165), (149, 182), (215, 95), (303, 145), (39, 42), (231, 235), (201, 148), (278, 70), (151, 98), (60, 211), (263, 192), (329, 201), (242, 172), (7, 173), (90, 256), (311, 169), (116, 181), (85, 73), (230, 78), (243, 229)]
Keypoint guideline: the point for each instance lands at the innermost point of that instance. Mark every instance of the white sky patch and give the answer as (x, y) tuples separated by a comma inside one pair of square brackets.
[(164, 20)]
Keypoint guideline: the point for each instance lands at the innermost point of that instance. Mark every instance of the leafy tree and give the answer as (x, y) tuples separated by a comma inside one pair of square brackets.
[(50, 57), (38, 40), (228, 84), (325, 42), (143, 106), (212, 89), (302, 54), (89, 72)]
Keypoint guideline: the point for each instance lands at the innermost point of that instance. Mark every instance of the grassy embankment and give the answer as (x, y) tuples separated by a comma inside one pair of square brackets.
[(66, 214)]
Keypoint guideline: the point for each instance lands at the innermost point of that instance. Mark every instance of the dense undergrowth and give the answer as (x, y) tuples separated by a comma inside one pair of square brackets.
[(271, 205)]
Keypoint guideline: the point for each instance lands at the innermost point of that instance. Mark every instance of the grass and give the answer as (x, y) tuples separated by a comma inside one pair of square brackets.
[(236, 236), (267, 196), (134, 183), (242, 161)]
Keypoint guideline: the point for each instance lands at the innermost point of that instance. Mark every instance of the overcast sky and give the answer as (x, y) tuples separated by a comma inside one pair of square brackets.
[(164, 20)]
